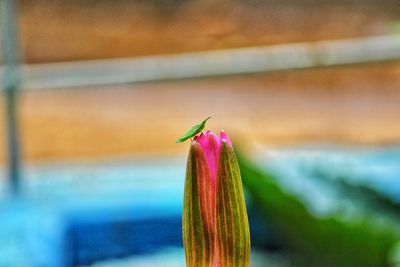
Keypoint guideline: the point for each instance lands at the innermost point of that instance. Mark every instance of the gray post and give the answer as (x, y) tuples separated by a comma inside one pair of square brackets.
[(11, 83)]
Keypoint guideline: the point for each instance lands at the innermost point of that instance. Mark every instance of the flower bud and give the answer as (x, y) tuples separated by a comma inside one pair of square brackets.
[(215, 225)]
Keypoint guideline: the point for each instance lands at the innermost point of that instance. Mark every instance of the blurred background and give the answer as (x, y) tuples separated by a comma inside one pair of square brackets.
[(95, 93)]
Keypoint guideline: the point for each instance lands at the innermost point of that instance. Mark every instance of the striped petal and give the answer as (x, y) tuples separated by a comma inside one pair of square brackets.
[(198, 210), (232, 227)]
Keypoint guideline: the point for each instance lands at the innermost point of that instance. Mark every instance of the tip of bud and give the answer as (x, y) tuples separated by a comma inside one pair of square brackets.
[(225, 138), (204, 138)]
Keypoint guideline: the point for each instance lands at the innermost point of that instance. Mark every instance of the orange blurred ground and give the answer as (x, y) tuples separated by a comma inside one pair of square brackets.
[(286, 108)]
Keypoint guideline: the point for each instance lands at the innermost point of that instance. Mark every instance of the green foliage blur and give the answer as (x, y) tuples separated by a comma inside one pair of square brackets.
[(309, 240)]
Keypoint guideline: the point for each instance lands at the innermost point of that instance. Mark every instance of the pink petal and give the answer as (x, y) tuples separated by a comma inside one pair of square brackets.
[(211, 144)]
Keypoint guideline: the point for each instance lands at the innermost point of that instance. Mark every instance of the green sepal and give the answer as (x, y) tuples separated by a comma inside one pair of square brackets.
[(198, 210), (232, 227)]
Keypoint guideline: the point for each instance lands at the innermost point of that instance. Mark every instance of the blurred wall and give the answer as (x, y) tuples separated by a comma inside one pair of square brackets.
[(54, 30)]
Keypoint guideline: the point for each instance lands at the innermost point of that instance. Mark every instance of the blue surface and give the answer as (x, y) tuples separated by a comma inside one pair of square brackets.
[(93, 242), (94, 211), (31, 235)]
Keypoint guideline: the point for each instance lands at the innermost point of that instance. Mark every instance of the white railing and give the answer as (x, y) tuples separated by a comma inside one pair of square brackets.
[(211, 63)]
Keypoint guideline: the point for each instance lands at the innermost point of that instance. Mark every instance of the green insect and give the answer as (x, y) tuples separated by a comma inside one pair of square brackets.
[(192, 132)]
